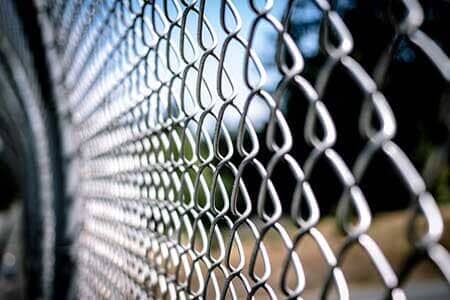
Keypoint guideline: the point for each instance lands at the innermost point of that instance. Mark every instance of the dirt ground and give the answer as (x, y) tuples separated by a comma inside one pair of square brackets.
[(387, 229)]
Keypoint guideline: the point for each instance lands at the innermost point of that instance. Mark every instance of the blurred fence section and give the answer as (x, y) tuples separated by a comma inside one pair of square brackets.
[(229, 149)]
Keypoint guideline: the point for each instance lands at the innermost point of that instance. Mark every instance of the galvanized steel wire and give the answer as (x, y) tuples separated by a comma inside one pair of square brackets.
[(145, 88)]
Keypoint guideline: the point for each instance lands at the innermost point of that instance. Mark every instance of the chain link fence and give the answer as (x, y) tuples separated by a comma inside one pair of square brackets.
[(193, 173)]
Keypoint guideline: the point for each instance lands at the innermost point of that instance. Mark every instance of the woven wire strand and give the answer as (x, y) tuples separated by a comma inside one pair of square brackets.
[(146, 88)]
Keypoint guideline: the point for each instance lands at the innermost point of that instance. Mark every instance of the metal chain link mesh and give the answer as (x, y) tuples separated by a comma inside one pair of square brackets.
[(159, 100)]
